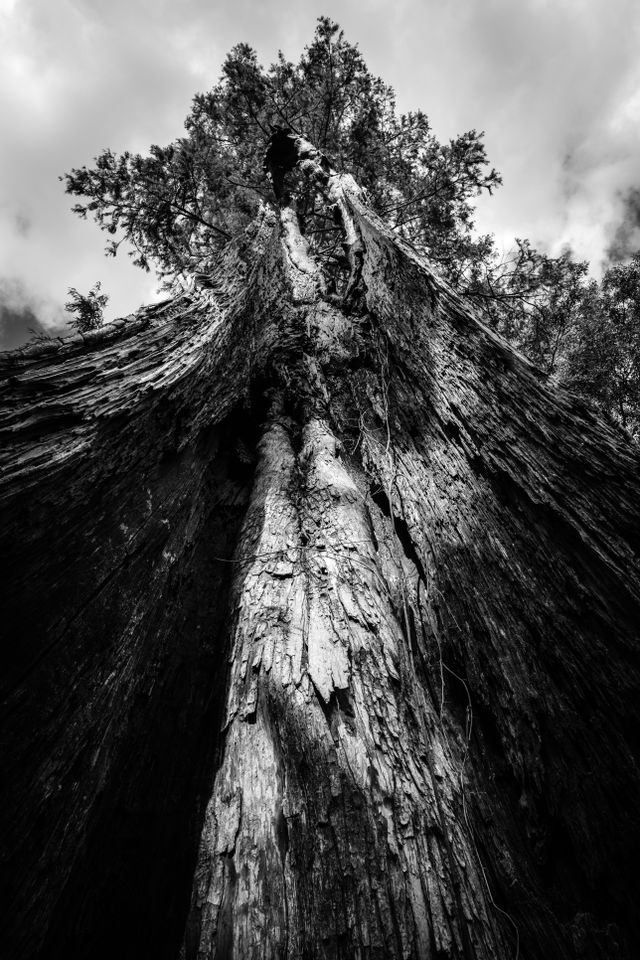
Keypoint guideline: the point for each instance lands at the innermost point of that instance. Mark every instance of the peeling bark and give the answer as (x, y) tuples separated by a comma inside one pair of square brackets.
[(322, 625)]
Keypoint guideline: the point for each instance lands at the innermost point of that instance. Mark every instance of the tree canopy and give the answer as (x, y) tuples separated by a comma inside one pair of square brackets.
[(178, 205)]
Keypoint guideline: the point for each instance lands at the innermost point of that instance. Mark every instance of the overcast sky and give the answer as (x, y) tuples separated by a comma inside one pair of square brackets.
[(555, 85)]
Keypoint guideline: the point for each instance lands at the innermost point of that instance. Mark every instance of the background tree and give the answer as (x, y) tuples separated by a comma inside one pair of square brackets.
[(602, 356), (532, 299), (88, 309)]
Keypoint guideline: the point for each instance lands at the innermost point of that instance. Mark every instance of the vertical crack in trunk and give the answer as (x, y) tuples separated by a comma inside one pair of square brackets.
[(322, 724)]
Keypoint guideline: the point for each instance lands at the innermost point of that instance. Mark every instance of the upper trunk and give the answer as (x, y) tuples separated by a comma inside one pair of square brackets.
[(421, 564)]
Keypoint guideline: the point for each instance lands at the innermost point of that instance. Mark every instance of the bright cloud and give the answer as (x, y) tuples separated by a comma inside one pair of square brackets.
[(555, 86)]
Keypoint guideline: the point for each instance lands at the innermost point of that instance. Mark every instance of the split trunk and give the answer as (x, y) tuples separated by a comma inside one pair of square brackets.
[(320, 626)]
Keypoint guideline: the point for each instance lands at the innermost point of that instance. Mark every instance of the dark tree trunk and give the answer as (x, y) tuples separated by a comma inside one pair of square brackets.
[(320, 627)]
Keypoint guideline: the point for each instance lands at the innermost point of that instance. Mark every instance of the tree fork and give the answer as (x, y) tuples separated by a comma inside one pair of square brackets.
[(322, 624)]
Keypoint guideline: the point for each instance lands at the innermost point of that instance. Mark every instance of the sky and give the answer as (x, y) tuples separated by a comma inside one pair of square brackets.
[(554, 84)]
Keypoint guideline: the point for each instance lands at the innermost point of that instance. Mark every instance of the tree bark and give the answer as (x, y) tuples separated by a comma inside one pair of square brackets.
[(322, 613)]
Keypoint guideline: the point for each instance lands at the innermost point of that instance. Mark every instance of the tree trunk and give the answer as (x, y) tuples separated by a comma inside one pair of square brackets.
[(322, 614)]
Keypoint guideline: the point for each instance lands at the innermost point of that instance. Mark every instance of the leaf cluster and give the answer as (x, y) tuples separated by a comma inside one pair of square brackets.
[(88, 309)]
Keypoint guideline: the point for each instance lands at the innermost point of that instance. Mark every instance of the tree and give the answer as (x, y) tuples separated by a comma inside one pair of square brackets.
[(321, 622), (180, 204), (88, 309), (535, 301), (602, 359)]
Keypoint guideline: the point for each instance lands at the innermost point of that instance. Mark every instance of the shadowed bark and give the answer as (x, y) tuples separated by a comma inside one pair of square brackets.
[(322, 614)]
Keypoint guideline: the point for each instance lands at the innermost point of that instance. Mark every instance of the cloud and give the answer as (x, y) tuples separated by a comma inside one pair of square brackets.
[(555, 85), (625, 239), (74, 78), (24, 315), (19, 326), (23, 224)]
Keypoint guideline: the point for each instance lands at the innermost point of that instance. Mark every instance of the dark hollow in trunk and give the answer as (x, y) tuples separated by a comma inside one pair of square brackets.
[(320, 625)]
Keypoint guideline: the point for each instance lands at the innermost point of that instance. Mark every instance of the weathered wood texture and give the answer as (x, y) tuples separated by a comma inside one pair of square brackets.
[(322, 615)]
